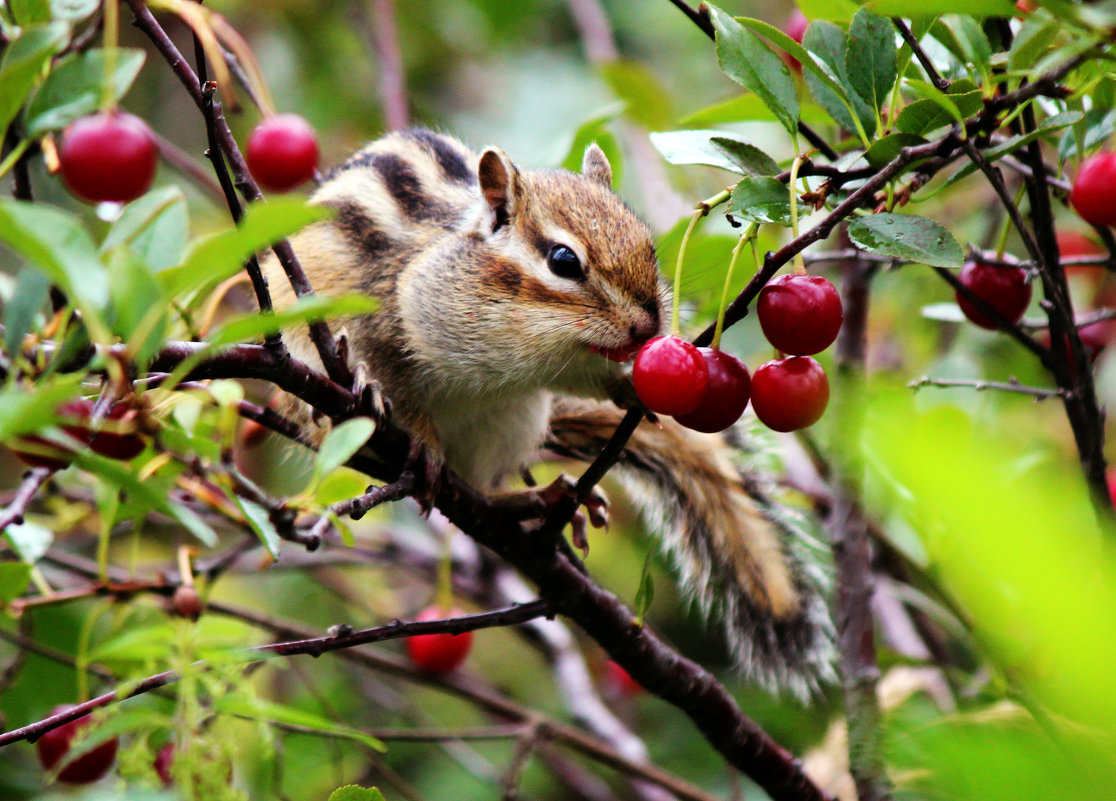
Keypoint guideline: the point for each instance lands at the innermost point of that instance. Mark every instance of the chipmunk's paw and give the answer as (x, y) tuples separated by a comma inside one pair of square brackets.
[(370, 399), (429, 472)]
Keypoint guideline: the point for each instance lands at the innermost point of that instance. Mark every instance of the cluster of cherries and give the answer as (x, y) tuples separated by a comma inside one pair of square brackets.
[(707, 389), (86, 768), (110, 157)]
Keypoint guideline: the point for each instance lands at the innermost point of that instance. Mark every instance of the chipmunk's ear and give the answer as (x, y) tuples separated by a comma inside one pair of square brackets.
[(498, 179), (595, 166)]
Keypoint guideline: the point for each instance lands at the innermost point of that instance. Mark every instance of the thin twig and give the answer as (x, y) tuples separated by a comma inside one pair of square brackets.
[(1011, 385), (32, 482)]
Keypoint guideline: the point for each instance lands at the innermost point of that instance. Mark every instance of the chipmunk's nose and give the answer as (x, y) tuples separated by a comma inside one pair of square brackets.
[(647, 322)]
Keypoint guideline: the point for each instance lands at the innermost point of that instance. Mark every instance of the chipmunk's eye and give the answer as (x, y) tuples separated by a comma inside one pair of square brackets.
[(564, 263)]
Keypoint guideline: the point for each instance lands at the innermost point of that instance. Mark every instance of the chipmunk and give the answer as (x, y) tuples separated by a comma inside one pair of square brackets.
[(509, 300)]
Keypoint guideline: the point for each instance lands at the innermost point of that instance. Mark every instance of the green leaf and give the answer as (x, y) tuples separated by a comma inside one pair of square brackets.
[(646, 592), (30, 12), (970, 36), (1033, 40), (138, 312), (828, 42), (595, 129), (155, 227), (832, 10), (1096, 126), (745, 59), (871, 57), (23, 411), (136, 644), (73, 10), (29, 540), (353, 792), (255, 325), (647, 100), (939, 98), (693, 147), (219, 256), (262, 709), (15, 578), (934, 8), (32, 289), (749, 159), (74, 88), (56, 243), (260, 522), (887, 148), (762, 200), (904, 236), (926, 115), (192, 523), (341, 443), (23, 63), (798, 51)]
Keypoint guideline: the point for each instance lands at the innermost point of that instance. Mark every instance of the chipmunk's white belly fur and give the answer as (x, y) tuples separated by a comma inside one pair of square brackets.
[(486, 436)]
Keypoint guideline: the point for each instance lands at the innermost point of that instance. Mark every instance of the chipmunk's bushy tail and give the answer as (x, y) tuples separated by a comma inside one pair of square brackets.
[(734, 556)]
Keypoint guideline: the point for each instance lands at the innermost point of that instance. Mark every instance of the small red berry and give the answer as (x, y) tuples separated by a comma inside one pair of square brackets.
[(88, 767), (162, 764), (114, 439), (1005, 289), (789, 394), (725, 397), (800, 314), (670, 376), (620, 680), (1094, 192), (439, 653), (282, 152), (108, 157), (1073, 244), (40, 452)]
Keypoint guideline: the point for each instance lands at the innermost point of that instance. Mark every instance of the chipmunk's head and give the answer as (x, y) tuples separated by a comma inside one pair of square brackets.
[(578, 262)]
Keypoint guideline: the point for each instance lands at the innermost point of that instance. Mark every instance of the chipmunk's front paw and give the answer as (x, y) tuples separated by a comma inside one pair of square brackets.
[(539, 501)]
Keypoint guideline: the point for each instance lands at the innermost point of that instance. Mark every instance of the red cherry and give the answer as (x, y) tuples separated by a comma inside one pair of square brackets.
[(1094, 192), (800, 314), (439, 653), (109, 156), (1072, 244), (88, 767), (795, 27), (114, 440), (789, 394), (162, 764), (282, 152), (1005, 289), (670, 376), (620, 680), (1111, 477), (40, 452), (726, 396)]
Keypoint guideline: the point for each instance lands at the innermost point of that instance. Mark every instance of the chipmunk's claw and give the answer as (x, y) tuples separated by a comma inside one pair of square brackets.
[(429, 473), (370, 397)]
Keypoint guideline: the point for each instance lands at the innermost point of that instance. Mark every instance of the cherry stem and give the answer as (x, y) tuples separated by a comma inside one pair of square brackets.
[(1005, 227), (748, 235), (443, 597), (674, 326), (799, 263), (703, 208), (112, 26)]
